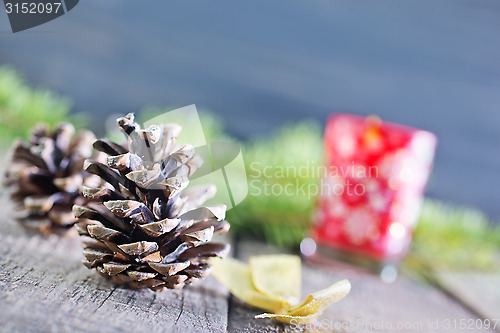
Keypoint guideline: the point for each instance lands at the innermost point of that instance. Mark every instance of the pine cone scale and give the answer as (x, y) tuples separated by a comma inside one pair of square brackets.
[(112, 268), (108, 147)]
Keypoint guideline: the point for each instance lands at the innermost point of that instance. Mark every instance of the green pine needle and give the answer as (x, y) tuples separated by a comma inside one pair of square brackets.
[(280, 170), (454, 238), (22, 107)]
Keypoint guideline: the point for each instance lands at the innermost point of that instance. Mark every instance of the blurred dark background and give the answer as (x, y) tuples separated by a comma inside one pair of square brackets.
[(429, 64)]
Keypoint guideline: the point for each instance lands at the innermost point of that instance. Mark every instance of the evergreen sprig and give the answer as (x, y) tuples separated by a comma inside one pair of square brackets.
[(22, 107), (454, 238)]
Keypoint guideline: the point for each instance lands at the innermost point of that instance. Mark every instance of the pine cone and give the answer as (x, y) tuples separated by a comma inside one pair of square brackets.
[(44, 176), (143, 230)]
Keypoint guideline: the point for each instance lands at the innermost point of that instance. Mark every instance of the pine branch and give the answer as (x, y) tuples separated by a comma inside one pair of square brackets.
[(22, 107)]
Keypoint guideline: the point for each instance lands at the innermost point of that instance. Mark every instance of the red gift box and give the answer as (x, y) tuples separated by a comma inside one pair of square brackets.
[(371, 193)]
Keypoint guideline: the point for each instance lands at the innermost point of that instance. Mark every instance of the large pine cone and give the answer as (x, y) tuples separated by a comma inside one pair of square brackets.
[(45, 174), (143, 230)]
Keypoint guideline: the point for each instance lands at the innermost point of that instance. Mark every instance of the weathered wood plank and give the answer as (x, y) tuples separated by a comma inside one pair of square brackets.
[(44, 287), (371, 306), (479, 291)]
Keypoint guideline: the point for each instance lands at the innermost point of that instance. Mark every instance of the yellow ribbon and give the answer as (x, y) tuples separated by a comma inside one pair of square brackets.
[(273, 283)]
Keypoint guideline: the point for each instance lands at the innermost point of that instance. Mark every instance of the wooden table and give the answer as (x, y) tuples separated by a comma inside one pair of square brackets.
[(45, 288)]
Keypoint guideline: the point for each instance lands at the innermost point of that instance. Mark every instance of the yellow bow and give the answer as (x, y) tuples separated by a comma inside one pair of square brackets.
[(273, 283)]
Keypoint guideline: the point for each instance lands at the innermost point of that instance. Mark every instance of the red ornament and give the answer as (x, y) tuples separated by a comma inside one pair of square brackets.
[(371, 194)]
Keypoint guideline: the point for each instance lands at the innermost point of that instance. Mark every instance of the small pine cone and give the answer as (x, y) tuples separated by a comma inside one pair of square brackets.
[(142, 229), (45, 174)]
